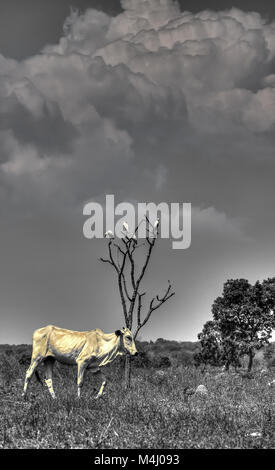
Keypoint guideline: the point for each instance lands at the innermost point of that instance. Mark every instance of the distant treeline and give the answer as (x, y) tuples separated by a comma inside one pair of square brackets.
[(152, 354), (158, 354)]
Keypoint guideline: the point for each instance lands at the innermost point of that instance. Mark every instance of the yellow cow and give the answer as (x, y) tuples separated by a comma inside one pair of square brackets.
[(86, 349)]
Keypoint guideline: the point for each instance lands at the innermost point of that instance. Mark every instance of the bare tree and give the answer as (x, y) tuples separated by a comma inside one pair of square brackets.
[(122, 257)]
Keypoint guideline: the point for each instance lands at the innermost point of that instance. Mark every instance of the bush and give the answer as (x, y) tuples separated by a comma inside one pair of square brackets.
[(142, 360), (162, 362), (24, 358), (9, 368)]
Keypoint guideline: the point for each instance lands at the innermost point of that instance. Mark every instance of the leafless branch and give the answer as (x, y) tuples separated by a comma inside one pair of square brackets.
[(155, 303), (125, 288), (139, 306), (106, 261), (119, 269)]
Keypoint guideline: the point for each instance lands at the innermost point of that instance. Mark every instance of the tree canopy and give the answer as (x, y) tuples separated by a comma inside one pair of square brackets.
[(243, 320)]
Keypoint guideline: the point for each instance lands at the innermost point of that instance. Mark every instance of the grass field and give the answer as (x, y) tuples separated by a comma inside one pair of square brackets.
[(155, 413)]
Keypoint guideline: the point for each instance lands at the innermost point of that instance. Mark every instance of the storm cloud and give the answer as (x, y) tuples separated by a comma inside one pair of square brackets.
[(154, 104)]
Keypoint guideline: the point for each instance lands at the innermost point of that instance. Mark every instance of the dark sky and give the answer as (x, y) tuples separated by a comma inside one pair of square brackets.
[(153, 104)]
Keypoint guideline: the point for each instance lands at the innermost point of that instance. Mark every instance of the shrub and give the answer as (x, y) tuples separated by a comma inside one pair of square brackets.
[(162, 362)]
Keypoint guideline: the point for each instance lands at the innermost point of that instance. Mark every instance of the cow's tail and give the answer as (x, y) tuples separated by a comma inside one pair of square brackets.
[(38, 377)]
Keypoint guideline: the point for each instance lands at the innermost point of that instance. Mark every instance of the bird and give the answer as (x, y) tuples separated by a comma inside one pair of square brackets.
[(109, 234), (125, 227), (156, 224), (134, 238)]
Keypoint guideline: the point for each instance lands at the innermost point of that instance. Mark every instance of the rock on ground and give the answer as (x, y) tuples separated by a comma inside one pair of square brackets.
[(201, 390)]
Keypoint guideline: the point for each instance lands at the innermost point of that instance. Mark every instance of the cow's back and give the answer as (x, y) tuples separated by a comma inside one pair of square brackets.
[(60, 343)]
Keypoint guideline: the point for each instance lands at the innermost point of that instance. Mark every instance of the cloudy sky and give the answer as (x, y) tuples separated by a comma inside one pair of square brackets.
[(149, 100)]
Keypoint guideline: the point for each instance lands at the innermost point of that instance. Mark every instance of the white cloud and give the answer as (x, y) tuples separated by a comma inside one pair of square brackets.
[(214, 225), (117, 98), (83, 33)]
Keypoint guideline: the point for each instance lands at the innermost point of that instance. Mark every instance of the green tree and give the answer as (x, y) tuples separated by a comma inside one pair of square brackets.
[(244, 315), (210, 345)]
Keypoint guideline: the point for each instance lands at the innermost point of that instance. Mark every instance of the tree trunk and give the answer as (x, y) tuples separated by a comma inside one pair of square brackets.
[(127, 372), (250, 361)]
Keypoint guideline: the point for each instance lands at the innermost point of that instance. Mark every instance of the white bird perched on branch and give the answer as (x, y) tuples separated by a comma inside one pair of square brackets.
[(133, 237), (125, 227), (109, 234), (156, 224)]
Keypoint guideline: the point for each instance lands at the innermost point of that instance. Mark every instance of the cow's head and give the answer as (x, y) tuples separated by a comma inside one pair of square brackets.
[(127, 341)]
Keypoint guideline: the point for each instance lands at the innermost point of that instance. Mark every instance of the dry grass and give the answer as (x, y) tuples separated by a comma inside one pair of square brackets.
[(155, 413)]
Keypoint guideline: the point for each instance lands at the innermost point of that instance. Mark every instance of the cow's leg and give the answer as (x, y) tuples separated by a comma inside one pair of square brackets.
[(49, 362), (103, 383), (81, 367), (34, 363)]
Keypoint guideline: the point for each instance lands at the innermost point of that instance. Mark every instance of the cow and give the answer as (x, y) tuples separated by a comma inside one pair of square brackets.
[(87, 349)]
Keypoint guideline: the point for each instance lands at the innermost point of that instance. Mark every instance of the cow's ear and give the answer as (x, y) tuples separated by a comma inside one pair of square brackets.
[(118, 332)]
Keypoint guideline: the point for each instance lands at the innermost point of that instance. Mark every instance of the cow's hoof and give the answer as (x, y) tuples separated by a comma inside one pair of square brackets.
[(100, 396)]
